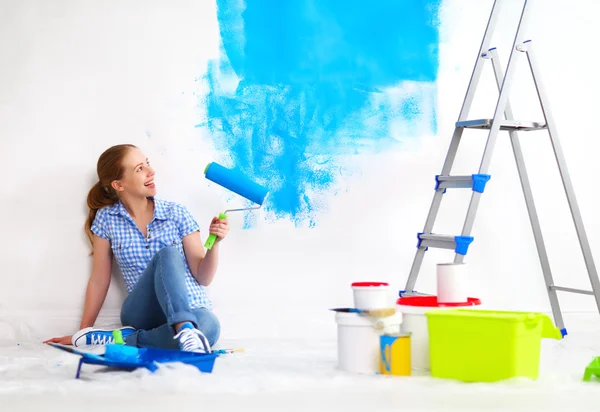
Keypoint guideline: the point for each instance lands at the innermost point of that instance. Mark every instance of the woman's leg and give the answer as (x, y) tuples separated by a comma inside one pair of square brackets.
[(204, 336), (209, 324), (158, 302)]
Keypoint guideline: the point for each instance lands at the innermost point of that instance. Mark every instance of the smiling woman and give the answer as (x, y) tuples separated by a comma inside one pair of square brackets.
[(158, 248)]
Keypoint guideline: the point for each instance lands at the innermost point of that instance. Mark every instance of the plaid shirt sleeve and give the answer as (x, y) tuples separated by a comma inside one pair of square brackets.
[(186, 223), (99, 224)]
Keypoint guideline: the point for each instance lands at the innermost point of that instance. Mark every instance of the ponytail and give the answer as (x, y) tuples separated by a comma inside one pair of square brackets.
[(98, 197), (109, 168)]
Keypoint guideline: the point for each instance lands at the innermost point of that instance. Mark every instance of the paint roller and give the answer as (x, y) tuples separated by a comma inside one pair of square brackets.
[(238, 183)]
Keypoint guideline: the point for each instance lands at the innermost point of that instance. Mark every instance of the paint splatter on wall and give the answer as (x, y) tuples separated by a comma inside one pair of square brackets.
[(301, 83)]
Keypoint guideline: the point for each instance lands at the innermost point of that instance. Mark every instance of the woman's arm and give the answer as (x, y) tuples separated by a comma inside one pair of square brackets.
[(98, 283), (97, 287), (203, 264)]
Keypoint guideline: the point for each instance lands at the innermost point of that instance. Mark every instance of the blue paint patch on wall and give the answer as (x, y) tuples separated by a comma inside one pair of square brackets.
[(301, 83)]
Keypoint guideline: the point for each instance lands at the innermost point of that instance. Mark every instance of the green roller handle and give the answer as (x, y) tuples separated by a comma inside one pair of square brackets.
[(212, 238)]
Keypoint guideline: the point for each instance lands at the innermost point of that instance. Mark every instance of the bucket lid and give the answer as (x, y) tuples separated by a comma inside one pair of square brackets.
[(369, 284), (432, 302), (355, 319), (530, 320)]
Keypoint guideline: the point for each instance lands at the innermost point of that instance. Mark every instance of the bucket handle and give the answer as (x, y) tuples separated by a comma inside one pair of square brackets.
[(549, 331), (532, 321)]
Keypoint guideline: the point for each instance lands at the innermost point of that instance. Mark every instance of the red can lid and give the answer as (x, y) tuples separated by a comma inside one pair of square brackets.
[(431, 301), (367, 284)]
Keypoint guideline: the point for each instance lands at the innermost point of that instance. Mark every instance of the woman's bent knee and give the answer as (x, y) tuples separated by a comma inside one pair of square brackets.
[(169, 252), (208, 324), (170, 257)]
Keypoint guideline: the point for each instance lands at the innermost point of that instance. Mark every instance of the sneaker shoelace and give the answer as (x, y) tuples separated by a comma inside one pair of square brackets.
[(101, 338), (191, 340)]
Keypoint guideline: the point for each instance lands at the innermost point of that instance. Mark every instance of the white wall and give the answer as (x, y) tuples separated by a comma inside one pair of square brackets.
[(77, 77)]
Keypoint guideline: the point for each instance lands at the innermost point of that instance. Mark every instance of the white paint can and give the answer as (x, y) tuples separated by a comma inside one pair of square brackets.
[(358, 342), (452, 282), (414, 321), (372, 295)]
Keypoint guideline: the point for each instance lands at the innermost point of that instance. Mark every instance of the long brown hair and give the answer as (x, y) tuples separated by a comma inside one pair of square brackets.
[(102, 194)]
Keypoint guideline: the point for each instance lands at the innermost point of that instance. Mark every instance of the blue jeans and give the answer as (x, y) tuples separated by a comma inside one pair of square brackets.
[(159, 301)]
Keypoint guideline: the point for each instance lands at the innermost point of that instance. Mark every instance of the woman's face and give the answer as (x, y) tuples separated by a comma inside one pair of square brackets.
[(138, 176)]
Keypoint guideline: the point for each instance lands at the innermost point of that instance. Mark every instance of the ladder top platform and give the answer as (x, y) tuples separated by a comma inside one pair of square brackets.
[(510, 125)]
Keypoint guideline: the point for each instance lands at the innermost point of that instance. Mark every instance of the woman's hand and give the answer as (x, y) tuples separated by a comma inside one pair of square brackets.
[(65, 340), (220, 228)]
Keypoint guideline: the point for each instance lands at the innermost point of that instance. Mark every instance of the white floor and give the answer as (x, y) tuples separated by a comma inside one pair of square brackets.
[(291, 376)]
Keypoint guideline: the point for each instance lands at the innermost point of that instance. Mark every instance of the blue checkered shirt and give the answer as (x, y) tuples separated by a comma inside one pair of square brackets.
[(133, 252)]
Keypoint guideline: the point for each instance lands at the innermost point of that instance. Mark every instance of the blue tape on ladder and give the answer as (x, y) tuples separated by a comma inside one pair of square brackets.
[(462, 244), (437, 183), (563, 332), (420, 240), (479, 181)]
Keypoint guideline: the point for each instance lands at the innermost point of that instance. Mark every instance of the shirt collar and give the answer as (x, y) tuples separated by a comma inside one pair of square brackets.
[(118, 209), (160, 210)]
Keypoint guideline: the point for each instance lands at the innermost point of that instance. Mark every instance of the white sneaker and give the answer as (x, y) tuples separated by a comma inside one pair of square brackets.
[(192, 340)]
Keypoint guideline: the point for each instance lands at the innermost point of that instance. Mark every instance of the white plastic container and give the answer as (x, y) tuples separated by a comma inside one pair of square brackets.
[(359, 340), (452, 282), (414, 321), (372, 295)]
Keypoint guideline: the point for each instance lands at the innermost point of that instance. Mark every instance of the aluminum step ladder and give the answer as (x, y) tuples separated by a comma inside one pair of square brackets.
[(503, 120)]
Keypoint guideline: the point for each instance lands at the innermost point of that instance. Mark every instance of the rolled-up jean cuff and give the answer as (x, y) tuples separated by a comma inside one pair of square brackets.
[(182, 317), (132, 340)]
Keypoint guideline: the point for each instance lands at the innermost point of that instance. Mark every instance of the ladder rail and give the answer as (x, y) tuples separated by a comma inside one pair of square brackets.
[(504, 93), (456, 137), (564, 173), (478, 67), (471, 89), (494, 129), (529, 201)]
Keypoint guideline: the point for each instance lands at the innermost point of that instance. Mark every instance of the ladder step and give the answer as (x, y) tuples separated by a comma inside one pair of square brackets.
[(460, 244), (510, 125), (476, 182), (583, 292)]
